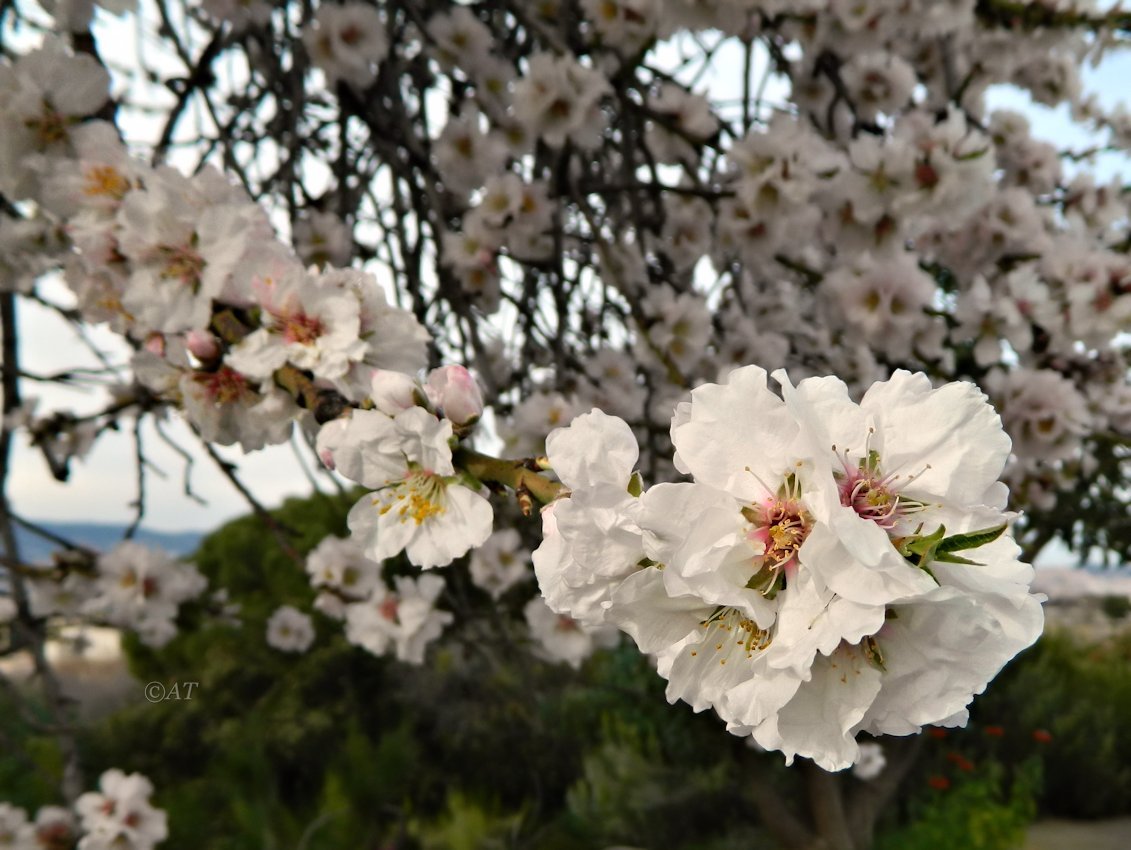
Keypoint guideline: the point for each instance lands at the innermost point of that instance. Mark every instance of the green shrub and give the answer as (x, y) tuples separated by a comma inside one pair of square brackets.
[(979, 811), (1116, 607), (1079, 697)]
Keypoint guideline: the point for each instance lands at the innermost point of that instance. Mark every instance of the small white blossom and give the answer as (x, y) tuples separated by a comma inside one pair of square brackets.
[(290, 630)]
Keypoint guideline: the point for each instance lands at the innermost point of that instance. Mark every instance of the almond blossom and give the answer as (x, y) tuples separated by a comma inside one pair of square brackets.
[(120, 814), (43, 98), (419, 506), (812, 583), (290, 630), (403, 620), (141, 588), (347, 42), (306, 322)]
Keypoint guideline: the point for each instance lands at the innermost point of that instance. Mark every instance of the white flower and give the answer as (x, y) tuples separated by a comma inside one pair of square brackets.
[(812, 583), (535, 417), (878, 83), (871, 762), (227, 408), (15, 832), (460, 39), (558, 99), (347, 42), (141, 588), (290, 630), (340, 565), (419, 506), (120, 815), (883, 299), (563, 639), (183, 238), (591, 539), (97, 179), (54, 828), (909, 456), (305, 322), (623, 24), (689, 120), (1044, 412), (394, 339), (323, 239), (43, 96), (466, 155), (455, 394), (500, 563), (404, 619)]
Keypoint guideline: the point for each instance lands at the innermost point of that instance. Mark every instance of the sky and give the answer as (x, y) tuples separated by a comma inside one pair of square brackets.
[(103, 484)]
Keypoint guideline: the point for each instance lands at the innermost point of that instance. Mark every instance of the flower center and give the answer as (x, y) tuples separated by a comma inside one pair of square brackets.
[(181, 263), (50, 127), (419, 497), (730, 625), (224, 386), (301, 329), (873, 495), (105, 180), (388, 608), (779, 524)]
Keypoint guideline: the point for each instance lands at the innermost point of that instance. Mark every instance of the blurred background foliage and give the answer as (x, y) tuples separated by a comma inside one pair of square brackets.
[(485, 746)]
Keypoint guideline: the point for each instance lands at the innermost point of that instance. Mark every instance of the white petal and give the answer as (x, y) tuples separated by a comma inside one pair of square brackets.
[(594, 448)]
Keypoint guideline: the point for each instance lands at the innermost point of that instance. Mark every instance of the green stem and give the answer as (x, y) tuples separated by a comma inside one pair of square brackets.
[(515, 474)]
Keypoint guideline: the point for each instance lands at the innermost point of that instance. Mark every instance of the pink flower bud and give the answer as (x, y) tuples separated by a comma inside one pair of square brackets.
[(455, 393), (202, 344), (392, 392)]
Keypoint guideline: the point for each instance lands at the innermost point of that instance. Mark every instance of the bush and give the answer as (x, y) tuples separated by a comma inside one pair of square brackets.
[(1068, 703), (983, 810)]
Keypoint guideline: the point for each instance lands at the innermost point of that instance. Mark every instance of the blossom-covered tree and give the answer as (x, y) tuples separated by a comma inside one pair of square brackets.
[(800, 348)]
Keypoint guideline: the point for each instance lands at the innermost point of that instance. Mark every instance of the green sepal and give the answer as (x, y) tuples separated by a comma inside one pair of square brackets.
[(635, 485), (766, 581), (920, 550)]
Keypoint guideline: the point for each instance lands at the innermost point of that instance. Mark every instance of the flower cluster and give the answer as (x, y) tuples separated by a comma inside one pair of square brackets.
[(188, 268), (834, 567), (403, 452), (117, 817), (119, 814), (133, 587), (401, 620)]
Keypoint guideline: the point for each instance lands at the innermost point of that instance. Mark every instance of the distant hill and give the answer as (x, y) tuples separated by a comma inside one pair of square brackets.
[(101, 536)]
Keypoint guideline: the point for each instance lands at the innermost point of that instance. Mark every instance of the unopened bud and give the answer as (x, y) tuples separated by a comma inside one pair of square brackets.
[(455, 393), (203, 345)]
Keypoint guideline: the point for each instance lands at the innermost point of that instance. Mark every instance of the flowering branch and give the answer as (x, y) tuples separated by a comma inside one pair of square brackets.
[(521, 476)]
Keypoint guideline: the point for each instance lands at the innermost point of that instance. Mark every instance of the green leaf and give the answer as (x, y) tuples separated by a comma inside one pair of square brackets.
[(948, 558), (972, 539)]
